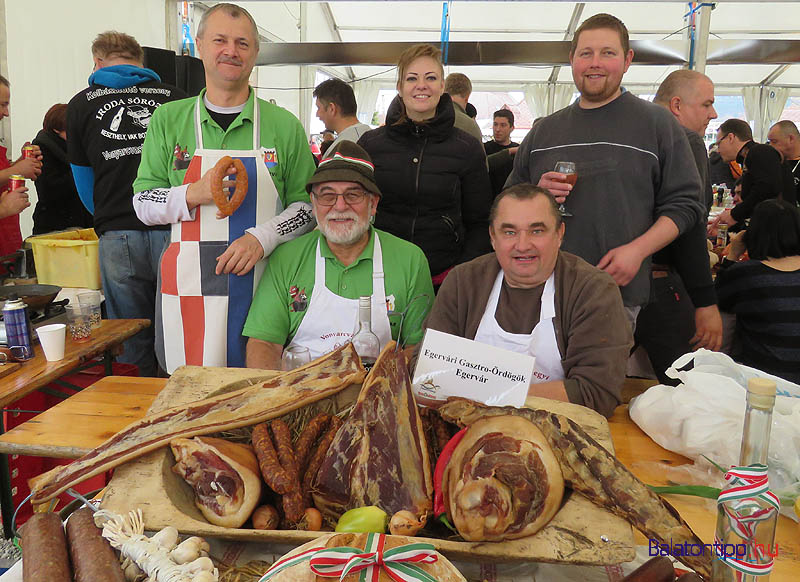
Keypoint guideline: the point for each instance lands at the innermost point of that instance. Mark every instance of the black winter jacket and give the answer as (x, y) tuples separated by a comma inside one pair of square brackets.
[(58, 206), (436, 190)]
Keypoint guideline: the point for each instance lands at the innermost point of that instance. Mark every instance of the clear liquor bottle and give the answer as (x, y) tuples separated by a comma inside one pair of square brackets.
[(366, 343), (747, 514)]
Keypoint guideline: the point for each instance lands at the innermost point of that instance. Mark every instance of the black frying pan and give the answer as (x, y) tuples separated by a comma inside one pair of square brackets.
[(34, 296)]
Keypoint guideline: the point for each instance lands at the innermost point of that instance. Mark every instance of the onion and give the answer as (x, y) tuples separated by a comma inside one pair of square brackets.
[(265, 517), (405, 523), (312, 520)]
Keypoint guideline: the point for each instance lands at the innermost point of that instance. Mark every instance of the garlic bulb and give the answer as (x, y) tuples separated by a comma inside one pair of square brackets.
[(167, 538), (190, 549)]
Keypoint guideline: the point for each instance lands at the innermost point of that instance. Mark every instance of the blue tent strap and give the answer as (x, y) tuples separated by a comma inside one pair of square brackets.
[(445, 38)]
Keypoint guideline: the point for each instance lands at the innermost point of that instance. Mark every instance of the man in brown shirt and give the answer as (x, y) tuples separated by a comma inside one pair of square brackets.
[(530, 297)]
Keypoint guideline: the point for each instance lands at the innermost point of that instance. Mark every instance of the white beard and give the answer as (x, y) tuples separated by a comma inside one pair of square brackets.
[(344, 234)]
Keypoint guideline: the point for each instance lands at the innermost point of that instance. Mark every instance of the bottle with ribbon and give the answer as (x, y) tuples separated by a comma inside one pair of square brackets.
[(747, 511)]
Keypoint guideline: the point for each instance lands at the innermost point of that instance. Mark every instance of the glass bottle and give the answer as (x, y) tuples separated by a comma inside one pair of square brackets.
[(366, 343), (746, 525)]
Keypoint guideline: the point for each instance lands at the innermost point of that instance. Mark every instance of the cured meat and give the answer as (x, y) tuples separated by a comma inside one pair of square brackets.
[(379, 456), (282, 394), (224, 476), (44, 549), (91, 554), (503, 481), (596, 474)]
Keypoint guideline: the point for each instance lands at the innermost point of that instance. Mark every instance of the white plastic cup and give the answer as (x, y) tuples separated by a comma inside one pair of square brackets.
[(52, 338)]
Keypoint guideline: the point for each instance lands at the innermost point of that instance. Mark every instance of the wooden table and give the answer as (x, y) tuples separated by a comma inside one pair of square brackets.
[(37, 372), (114, 402)]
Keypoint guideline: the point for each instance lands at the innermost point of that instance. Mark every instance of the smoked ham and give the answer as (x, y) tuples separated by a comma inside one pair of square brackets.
[(592, 471), (284, 393), (224, 476), (503, 481), (379, 456)]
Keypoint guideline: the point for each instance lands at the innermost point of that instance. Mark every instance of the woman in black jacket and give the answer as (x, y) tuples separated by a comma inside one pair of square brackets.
[(433, 176), (58, 205)]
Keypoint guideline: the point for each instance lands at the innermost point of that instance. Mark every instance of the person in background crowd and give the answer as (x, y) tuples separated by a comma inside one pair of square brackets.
[(106, 124), (785, 138), (682, 314), (529, 297), (336, 108), (764, 292), (637, 184), (328, 135), (436, 191), (501, 150), (214, 262), (12, 202), (720, 172), (763, 174), (58, 205), (309, 295), (459, 87)]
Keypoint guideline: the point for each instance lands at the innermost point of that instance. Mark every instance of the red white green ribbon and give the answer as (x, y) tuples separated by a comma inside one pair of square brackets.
[(399, 563), (742, 502)]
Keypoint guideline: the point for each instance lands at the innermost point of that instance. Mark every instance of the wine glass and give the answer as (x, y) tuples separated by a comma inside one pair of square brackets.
[(294, 357), (567, 168)]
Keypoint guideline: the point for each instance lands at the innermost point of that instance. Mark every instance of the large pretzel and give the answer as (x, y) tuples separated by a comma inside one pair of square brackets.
[(228, 206)]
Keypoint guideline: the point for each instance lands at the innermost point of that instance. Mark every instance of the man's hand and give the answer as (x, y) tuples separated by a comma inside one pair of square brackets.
[(199, 192), (30, 168), (708, 328), (241, 256), (622, 263), (556, 183), (726, 218), (513, 151), (14, 202)]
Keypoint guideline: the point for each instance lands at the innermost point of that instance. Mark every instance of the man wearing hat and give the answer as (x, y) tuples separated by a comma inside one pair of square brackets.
[(309, 294)]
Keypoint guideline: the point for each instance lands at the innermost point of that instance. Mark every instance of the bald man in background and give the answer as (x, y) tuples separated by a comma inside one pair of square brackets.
[(785, 138), (682, 314)]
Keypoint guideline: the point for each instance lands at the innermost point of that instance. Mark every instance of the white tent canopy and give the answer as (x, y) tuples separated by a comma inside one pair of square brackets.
[(47, 57)]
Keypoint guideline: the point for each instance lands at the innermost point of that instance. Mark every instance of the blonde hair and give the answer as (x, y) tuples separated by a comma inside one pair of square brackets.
[(117, 45)]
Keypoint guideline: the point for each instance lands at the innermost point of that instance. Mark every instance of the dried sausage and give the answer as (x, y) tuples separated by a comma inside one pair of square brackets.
[(271, 470), (319, 456), (294, 505), (228, 206), (308, 437), (92, 556), (44, 550), (282, 437)]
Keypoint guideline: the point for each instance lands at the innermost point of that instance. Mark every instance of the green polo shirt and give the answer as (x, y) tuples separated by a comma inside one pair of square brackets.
[(286, 289), (170, 144)]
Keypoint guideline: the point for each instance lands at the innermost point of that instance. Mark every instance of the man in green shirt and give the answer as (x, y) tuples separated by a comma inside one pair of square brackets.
[(210, 269), (308, 296)]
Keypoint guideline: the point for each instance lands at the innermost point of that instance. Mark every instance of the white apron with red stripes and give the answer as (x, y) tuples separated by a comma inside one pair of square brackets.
[(203, 313)]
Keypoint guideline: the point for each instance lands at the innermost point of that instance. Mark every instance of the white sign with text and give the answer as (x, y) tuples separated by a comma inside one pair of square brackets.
[(450, 365)]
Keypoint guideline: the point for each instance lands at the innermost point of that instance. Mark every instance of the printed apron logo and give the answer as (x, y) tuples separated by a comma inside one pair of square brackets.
[(299, 299), (270, 157), (182, 158)]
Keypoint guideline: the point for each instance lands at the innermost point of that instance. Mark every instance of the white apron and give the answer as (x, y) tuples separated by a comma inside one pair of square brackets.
[(201, 313), (330, 319), (540, 343)]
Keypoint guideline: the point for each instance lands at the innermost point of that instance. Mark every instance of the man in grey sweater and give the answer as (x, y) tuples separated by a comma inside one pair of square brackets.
[(638, 187), (337, 108)]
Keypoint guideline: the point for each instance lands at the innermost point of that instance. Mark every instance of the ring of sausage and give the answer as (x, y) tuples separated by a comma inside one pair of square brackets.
[(228, 206)]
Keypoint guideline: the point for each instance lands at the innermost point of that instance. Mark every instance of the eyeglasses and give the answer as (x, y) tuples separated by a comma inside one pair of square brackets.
[(351, 197)]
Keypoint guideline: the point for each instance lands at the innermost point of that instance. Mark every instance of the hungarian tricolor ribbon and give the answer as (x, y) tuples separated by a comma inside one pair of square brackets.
[(400, 563), (746, 501)]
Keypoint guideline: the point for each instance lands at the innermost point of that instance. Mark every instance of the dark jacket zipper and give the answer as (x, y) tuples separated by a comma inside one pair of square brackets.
[(416, 188)]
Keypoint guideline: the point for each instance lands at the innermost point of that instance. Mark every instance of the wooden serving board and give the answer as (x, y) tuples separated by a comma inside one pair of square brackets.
[(581, 532)]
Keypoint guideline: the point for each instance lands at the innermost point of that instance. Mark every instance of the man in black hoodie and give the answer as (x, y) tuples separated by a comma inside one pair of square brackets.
[(106, 126)]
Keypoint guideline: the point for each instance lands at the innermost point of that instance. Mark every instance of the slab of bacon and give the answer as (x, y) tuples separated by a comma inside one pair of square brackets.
[(592, 471), (282, 394), (379, 456)]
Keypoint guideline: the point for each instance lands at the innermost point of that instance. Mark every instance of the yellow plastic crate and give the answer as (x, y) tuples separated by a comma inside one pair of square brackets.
[(67, 259)]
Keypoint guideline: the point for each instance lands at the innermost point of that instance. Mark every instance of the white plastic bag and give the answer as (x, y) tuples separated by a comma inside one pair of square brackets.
[(704, 415)]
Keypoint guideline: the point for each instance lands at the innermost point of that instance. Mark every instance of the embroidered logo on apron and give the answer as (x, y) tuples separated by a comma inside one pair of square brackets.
[(270, 157), (181, 156), (299, 299)]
